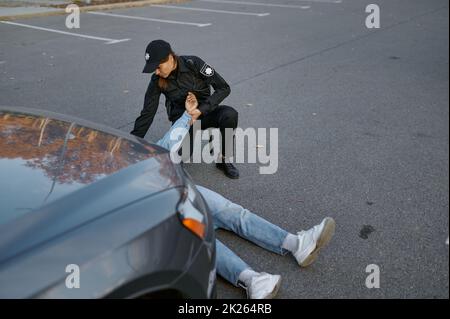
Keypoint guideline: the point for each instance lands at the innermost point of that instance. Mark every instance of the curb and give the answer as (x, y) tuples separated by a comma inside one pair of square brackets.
[(112, 6)]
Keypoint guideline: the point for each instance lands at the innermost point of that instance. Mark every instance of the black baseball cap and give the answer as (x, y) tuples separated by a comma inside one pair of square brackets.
[(155, 52)]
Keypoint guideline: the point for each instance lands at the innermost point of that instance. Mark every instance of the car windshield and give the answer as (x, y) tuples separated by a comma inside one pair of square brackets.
[(42, 159)]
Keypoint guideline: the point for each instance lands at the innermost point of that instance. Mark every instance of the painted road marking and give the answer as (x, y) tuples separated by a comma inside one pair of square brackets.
[(148, 19), (260, 4), (211, 10), (107, 40)]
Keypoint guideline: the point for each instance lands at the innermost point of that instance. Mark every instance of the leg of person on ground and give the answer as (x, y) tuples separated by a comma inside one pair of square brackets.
[(304, 246), (237, 272)]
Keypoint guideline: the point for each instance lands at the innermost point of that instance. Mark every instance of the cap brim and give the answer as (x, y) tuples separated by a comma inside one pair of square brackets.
[(150, 67)]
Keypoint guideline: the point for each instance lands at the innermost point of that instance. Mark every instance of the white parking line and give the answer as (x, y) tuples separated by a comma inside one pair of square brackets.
[(148, 19), (210, 10), (321, 1), (260, 4), (107, 40)]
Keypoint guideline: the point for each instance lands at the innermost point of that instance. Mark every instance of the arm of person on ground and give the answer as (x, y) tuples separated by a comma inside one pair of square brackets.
[(173, 138)]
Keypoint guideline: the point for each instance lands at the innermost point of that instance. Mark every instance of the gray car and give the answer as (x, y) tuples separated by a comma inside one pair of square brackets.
[(91, 212)]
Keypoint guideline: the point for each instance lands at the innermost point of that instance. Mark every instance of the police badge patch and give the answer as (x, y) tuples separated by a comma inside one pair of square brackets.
[(207, 70)]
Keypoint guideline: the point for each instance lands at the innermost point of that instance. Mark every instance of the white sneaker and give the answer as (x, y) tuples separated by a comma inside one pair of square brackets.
[(263, 286), (311, 241)]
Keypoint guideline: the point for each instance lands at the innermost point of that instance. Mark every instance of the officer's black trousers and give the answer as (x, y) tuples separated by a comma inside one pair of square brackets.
[(222, 117)]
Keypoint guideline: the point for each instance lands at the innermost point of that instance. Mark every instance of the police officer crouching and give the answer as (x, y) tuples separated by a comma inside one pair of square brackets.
[(176, 76)]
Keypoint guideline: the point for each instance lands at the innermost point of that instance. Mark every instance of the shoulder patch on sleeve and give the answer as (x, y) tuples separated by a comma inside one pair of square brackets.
[(207, 70)]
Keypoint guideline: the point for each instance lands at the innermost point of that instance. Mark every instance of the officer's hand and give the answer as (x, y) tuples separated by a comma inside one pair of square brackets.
[(191, 102)]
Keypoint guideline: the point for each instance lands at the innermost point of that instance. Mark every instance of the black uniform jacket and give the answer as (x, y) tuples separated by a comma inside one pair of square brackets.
[(192, 75)]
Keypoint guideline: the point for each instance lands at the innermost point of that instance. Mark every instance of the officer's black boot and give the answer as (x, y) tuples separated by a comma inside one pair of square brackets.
[(229, 169), (228, 119)]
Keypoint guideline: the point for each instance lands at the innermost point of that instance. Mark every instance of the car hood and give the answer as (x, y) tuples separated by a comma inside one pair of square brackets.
[(46, 156)]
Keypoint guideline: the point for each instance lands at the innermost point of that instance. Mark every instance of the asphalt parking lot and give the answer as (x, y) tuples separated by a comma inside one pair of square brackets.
[(362, 118)]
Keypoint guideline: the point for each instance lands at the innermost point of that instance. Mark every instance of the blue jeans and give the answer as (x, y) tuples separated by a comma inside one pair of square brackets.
[(233, 217)]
